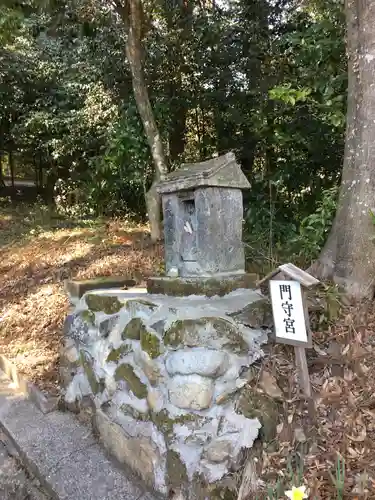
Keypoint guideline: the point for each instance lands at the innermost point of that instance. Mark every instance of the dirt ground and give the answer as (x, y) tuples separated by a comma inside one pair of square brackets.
[(36, 255)]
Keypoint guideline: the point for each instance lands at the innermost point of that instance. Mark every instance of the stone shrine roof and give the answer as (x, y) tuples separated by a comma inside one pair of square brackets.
[(223, 171)]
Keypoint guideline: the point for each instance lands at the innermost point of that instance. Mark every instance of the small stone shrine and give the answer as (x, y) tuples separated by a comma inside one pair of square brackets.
[(163, 374), (203, 216)]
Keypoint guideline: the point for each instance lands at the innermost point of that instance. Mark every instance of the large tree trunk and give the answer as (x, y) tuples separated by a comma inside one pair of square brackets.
[(349, 254), (132, 15)]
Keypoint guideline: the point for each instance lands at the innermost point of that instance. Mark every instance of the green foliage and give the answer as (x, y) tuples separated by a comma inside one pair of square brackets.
[(288, 95), (115, 181), (272, 237), (10, 23), (314, 228), (119, 177), (338, 478), (263, 79)]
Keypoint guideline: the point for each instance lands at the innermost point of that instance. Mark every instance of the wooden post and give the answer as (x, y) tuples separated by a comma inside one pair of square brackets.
[(291, 317), (300, 353), (303, 371)]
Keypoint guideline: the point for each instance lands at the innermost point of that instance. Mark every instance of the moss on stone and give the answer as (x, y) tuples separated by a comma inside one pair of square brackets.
[(116, 354), (88, 316), (134, 329), (126, 373), (227, 329), (181, 287), (252, 404), (174, 335), (150, 344), (188, 332), (96, 384), (134, 413), (162, 421), (222, 493), (136, 305), (105, 303), (165, 423), (257, 314), (176, 470)]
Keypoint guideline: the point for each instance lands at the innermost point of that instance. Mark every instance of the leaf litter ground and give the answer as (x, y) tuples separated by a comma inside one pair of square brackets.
[(34, 261), (330, 446)]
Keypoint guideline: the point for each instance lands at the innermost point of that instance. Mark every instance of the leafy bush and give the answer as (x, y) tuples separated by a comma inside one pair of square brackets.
[(114, 183), (314, 228), (272, 235)]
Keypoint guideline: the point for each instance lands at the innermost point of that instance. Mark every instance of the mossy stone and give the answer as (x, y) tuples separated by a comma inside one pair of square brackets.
[(134, 329), (118, 353), (96, 384), (134, 413), (150, 344), (165, 423), (225, 328), (257, 314), (194, 333), (223, 494), (88, 316), (174, 335), (105, 303), (139, 305), (162, 421), (106, 326), (126, 373), (252, 404), (176, 470), (210, 287)]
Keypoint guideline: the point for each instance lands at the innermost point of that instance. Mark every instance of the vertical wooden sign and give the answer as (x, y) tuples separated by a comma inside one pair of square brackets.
[(289, 314), (288, 285)]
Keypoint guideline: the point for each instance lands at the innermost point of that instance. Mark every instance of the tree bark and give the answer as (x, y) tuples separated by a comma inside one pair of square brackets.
[(132, 15), (2, 183), (349, 254), (11, 166), (179, 19)]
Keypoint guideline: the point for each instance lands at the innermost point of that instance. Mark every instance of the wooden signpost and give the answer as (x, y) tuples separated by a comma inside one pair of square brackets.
[(288, 286)]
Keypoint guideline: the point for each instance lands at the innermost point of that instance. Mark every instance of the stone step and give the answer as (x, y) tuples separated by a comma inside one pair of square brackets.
[(62, 453)]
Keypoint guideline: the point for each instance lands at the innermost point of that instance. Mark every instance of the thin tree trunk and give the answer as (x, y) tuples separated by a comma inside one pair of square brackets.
[(2, 183), (11, 166), (181, 19), (349, 254), (132, 15), (177, 134)]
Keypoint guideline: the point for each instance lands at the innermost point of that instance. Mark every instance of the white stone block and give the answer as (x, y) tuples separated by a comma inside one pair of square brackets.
[(191, 392)]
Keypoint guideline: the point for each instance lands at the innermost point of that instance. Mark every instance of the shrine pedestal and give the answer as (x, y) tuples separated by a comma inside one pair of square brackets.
[(209, 286)]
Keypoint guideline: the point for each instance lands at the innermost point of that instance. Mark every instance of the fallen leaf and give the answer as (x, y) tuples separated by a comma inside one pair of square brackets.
[(361, 436), (269, 385), (299, 435)]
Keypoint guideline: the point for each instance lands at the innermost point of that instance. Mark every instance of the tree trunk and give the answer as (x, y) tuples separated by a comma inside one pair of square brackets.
[(178, 132), (132, 15), (2, 183), (11, 166), (179, 19), (349, 254)]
